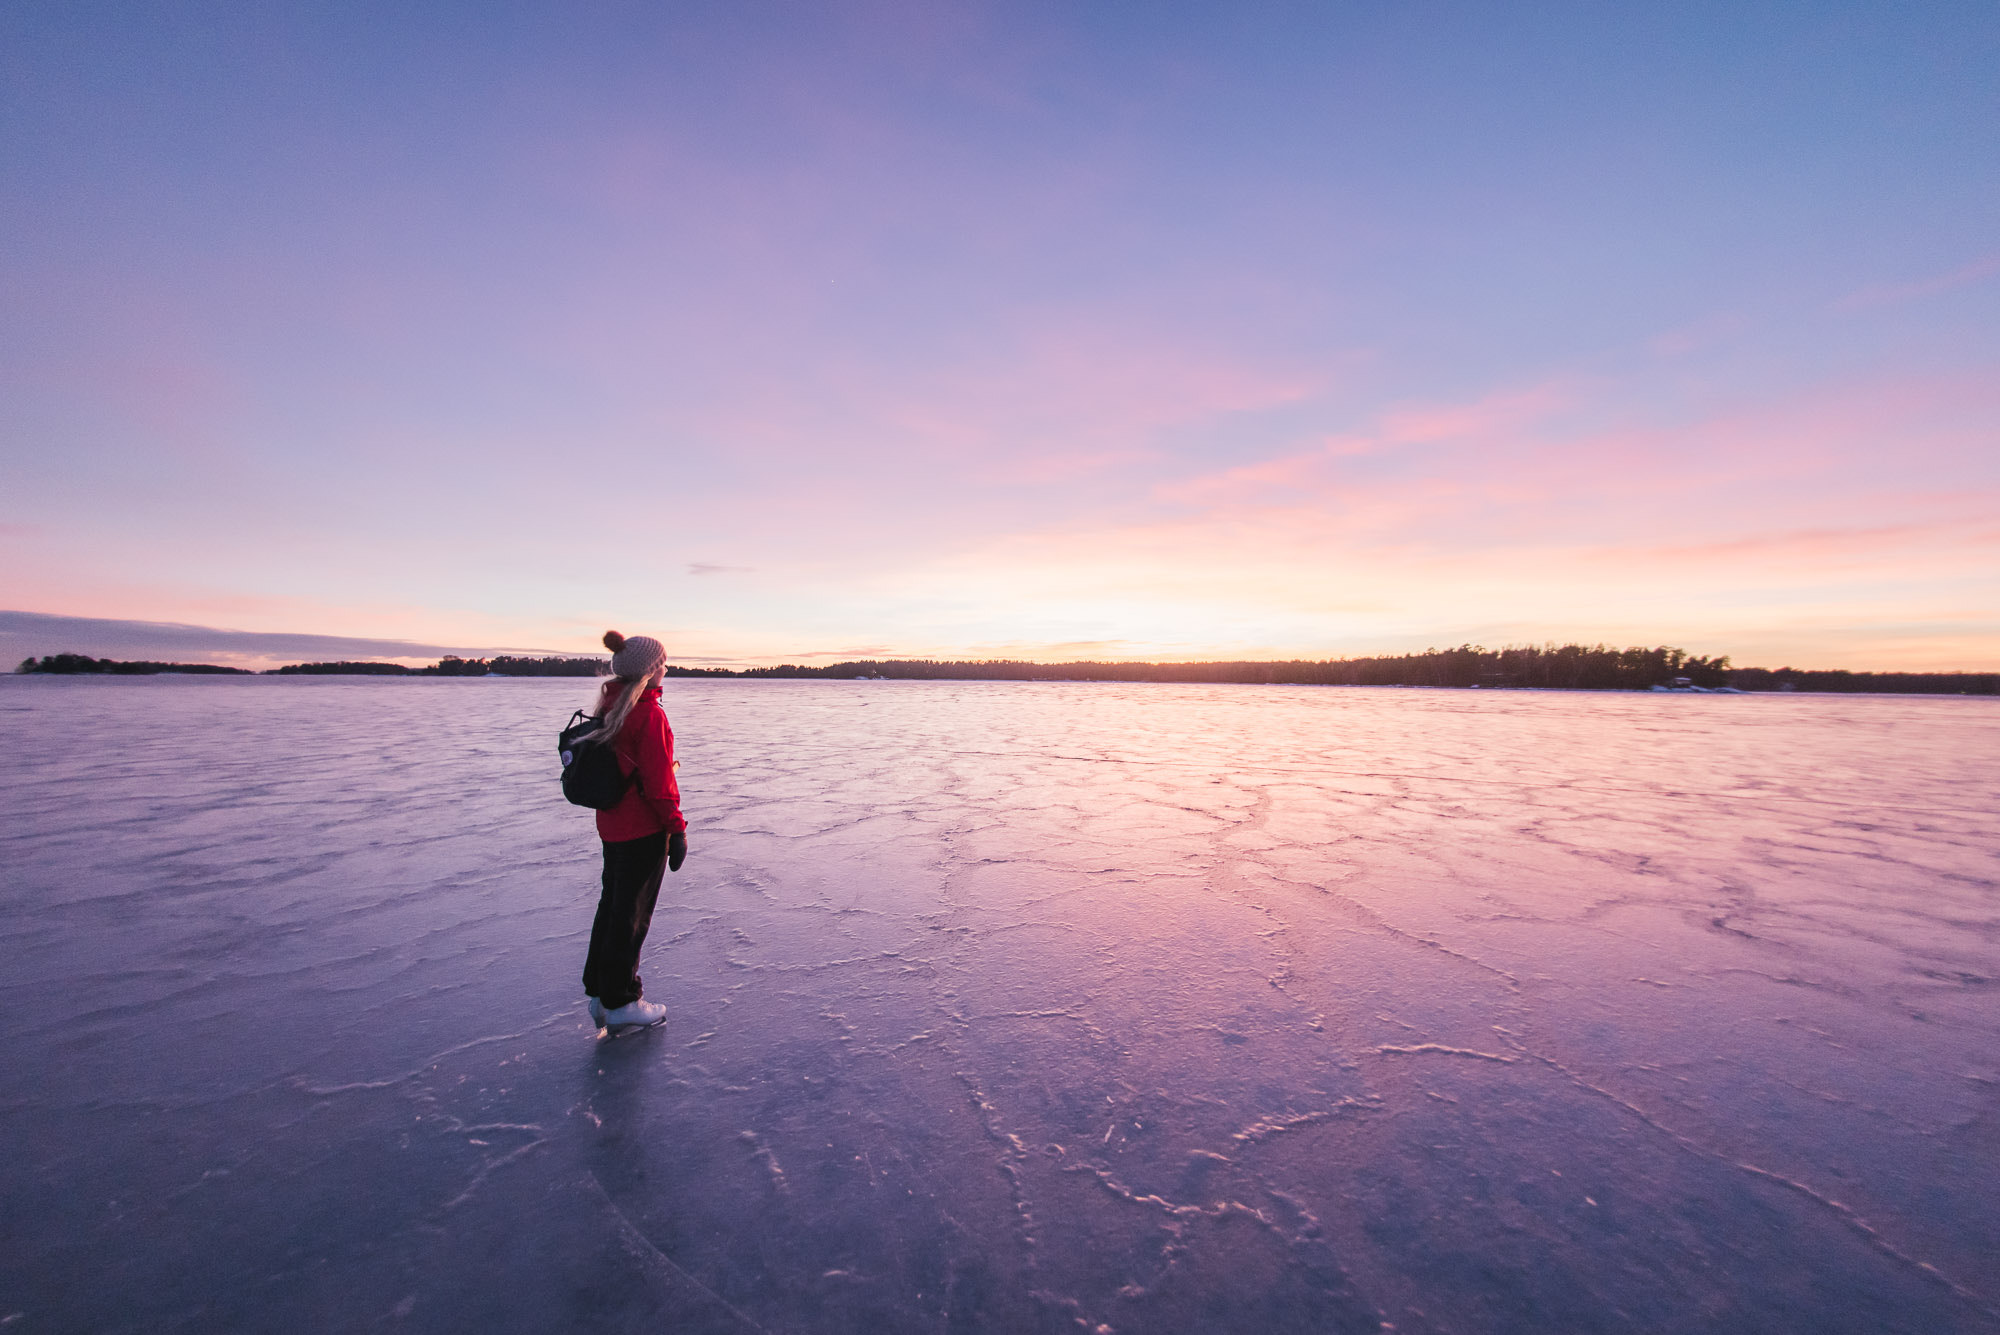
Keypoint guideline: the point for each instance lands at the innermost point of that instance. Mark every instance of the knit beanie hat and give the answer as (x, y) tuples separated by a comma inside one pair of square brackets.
[(634, 657)]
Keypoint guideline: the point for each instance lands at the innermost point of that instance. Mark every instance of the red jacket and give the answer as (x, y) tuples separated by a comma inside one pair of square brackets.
[(645, 745)]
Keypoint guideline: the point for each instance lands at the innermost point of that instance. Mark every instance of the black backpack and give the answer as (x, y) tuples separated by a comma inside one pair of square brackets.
[(590, 777)]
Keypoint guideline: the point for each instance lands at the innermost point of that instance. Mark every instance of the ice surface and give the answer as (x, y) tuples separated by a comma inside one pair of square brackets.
[(1005, 1007)]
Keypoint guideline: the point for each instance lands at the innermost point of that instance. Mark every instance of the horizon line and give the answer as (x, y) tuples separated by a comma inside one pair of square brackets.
[(168, 641)]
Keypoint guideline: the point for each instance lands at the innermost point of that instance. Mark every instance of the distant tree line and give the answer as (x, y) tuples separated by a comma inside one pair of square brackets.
[(448, 666), (78, 664), (507, 666), (346, 670), (1569, 667), (453, 666), (502, 666), (1573, 667), (1889, 683)]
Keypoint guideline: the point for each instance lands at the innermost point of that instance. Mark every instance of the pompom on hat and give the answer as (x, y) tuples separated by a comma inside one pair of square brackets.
[(634, 657)]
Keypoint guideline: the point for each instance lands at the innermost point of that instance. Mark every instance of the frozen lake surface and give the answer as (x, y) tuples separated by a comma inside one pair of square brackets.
[(1004, 1007)]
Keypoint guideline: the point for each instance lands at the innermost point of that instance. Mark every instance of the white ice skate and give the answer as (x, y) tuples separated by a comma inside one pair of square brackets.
[(634, 1015)]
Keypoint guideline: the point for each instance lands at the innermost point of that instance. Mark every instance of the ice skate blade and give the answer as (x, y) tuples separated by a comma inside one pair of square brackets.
[(611, 1031)]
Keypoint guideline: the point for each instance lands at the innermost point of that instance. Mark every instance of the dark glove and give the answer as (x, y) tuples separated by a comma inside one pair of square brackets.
[(677, 850)]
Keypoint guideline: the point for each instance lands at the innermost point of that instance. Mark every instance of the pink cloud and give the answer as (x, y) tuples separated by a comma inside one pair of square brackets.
[(1495, 416), (1823, 547), (1311, 475), (1890, 294), (1701, 334), (1516, 467), (1050, 407)]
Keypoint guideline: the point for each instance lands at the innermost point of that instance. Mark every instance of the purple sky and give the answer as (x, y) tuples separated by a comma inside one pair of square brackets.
[(1043, 330)]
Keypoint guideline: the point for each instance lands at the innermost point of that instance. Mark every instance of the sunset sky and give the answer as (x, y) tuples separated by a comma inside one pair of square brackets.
[(788, 332)]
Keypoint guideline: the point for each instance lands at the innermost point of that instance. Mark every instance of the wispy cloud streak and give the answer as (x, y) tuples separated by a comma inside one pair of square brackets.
[(1891, 294)]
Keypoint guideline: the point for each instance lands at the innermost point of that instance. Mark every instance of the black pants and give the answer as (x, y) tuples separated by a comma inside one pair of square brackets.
[(632, 872)]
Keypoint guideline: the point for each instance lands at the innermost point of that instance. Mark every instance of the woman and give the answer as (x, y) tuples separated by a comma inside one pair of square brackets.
[(643, 835)]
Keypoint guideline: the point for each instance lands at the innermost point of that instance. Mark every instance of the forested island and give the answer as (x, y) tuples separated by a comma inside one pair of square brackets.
[(1571, 667), (452, 666), (71, 665), (448, 666), (1565, 667)]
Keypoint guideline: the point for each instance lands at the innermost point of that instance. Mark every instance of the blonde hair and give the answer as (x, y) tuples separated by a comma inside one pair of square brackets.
[(617, 700)]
